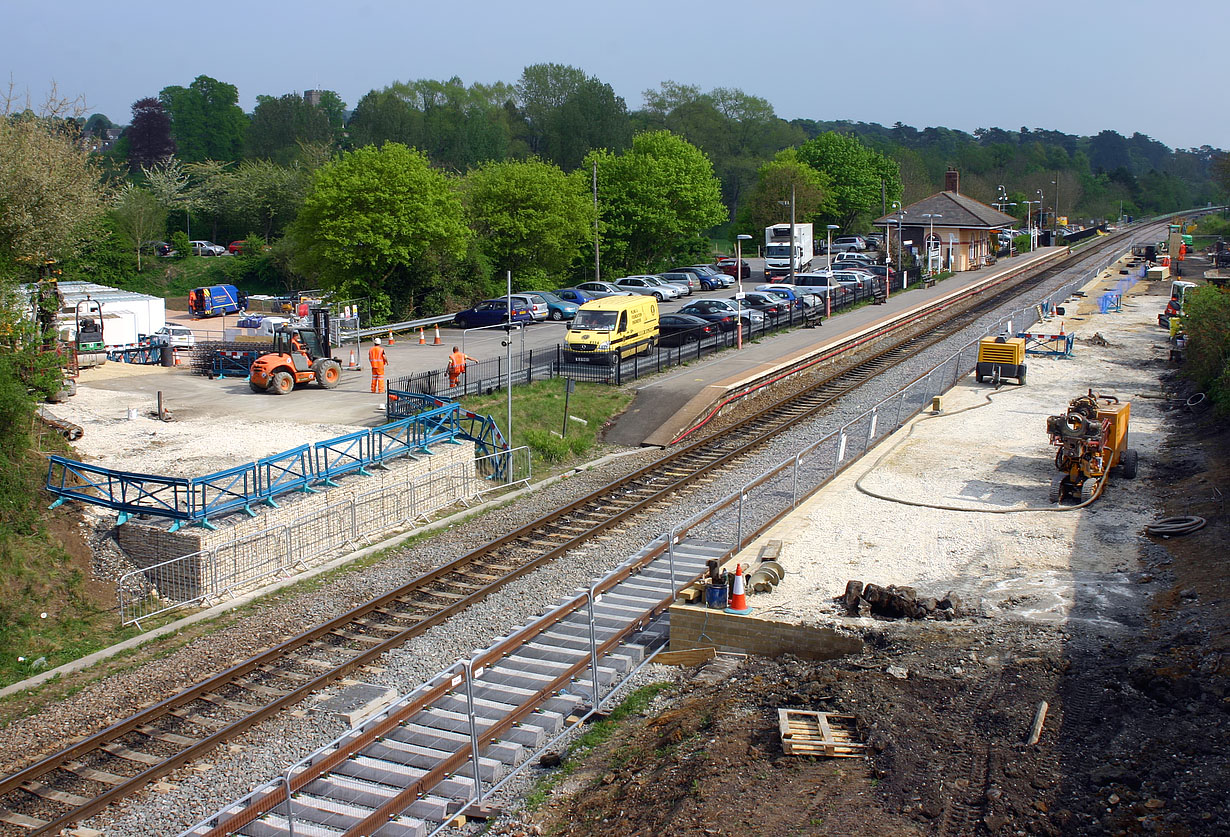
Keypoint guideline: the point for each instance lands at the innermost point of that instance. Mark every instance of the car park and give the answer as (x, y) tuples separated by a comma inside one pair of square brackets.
[(790, 294), (492, 312), (727, 266), (678, 329), (601, 290), (678, 289), (687, 280), (557, 308), (536, 304), (576, 297), (725, 279), (661, 291), (854, 278), (874, 241), (206, 248), (174, 335)]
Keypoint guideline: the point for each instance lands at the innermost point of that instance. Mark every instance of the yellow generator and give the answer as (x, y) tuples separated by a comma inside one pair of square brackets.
[(1092, 438), (1000, 357)]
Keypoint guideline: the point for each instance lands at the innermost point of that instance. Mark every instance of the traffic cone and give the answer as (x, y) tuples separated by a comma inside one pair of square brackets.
[(738, 594), (438, 342), (422, 337), (390, 337), (1061, 328), (353, 366)]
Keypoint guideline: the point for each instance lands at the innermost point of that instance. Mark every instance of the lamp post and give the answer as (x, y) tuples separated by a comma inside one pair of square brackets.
[(1029, 221), (828, 249), (931, 216), (739, 239), (1040, 199), (828, 254), (888, 258), (1055, 214)]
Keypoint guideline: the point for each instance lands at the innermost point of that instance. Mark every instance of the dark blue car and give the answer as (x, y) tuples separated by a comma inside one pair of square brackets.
[(575, 296), (492, 312)]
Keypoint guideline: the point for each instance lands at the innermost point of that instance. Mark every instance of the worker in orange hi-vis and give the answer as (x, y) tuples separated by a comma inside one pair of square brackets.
[(377, 359), (456, 366)]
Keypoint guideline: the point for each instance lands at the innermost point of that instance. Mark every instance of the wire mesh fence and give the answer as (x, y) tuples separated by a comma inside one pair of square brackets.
[(288, 548)]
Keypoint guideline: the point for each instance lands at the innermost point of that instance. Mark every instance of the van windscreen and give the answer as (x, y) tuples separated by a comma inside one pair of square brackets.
[(595, 320)]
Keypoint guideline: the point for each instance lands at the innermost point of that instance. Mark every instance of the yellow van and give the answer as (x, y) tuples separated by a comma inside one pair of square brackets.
[(612, 328)]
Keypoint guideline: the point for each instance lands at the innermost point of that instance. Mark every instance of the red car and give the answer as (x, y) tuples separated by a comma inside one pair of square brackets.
[(237, 247), (726, 264)]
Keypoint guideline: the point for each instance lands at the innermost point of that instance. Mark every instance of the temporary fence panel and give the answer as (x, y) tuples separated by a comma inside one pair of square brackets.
[(126, 492), (342, 455), (224, 491)]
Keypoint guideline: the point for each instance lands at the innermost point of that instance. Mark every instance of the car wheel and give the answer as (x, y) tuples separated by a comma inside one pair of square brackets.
[(282, 383), (461, 322)]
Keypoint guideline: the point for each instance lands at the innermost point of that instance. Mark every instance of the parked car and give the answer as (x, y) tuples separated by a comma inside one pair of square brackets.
[(709, 280), (601, 290), (725, 279), (874, 241), (235, 248), (688, 280), (722, 311), (206, 248), (678, 329), (880, 270), (727, 266), (643, 285), (765, 303), (679, 290), (849, 242), (492, 312), (853, 256), (174, 335), (538, 307), (557, 308), (854, 278), (576, 297)]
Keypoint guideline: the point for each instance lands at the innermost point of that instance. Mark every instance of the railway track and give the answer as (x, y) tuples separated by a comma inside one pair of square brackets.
[(114, 763)]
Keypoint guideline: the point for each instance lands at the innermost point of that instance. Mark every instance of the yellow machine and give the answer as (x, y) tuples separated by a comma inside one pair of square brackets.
[(612, 328), (1092, 438), (1000, 357)]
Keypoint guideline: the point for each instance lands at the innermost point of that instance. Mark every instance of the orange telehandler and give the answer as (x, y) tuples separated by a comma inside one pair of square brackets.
[(300, 355)]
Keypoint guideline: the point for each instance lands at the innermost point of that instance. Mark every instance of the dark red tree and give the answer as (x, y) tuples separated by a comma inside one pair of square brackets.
[(149, 136)]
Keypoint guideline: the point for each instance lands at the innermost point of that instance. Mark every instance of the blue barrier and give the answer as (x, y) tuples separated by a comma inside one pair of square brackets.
[(126, 492), (149, 355), (196, 500), (343, 454)]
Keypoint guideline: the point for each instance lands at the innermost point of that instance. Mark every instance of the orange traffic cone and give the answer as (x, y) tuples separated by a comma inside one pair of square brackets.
[(353, 366), (738, 594), (390, 338), (422, 337), (438, 342), (1061, 328)]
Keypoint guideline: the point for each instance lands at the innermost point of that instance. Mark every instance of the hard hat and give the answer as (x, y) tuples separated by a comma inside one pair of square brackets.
[(377, 341)]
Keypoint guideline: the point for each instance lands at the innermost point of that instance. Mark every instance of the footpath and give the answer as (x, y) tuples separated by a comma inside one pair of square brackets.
[(671, 403)]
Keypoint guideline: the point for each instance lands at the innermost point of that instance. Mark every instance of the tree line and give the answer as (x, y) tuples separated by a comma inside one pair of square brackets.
[(427, 192)]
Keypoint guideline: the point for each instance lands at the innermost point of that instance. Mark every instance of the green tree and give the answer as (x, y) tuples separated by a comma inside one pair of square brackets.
[(856, 172), (569, 113), (530, 217), (655, 201), (381, 223), (260, 195), (139, 217), (812, 191), (50, 192), (206, 120), (280, 125)]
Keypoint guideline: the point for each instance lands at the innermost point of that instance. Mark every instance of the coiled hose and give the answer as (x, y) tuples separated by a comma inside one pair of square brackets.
[(1170, 527), (942, 507)]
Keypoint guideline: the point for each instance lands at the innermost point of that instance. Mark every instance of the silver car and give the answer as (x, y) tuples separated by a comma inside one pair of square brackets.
[(648, 286), (600, 290)]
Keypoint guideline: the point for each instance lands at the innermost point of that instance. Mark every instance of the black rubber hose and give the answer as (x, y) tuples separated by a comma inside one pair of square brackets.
[(1170, 527)]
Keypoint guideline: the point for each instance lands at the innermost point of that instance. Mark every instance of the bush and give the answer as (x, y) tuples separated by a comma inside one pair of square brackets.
[(1206, 320), (179, 243)]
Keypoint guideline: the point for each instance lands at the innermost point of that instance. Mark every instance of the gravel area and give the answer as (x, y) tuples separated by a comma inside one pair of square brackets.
[(189, 794)]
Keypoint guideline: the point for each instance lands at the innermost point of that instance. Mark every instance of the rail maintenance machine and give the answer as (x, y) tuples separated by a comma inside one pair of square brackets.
[(1092, 438)]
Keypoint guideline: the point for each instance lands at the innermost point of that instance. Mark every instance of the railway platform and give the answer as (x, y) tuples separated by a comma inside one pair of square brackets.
[(673, 403)]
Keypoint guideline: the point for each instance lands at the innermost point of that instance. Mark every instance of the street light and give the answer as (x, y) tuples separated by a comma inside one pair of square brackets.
[(739, 239), (1029, 221), (1055, 215), (931, 216), (828, 250), (1040, 198), (900, 264)]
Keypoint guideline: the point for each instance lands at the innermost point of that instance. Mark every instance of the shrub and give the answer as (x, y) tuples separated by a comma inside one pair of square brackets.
[(1206, 320)]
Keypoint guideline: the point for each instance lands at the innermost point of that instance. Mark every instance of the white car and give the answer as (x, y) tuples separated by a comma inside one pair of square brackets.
[(207, 248), (174, 335)]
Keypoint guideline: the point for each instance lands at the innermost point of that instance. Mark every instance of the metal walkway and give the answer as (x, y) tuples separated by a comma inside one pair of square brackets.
[(412, 768)]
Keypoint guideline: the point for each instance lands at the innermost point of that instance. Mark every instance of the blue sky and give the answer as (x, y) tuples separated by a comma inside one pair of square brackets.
[(1079, 66)]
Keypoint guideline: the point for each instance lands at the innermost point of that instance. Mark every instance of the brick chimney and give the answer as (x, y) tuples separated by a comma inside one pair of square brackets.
[(952, 180)]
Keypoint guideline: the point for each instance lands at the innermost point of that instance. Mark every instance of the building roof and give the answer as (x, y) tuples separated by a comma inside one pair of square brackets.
[(957, 210)]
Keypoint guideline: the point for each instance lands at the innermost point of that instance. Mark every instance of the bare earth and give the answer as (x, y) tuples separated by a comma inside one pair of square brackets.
[(1123, 635)]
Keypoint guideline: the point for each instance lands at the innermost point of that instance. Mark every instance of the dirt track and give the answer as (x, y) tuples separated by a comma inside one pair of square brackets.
[(1135, 739)]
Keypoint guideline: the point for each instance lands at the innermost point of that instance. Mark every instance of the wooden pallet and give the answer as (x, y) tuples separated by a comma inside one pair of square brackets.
[(807, 733)]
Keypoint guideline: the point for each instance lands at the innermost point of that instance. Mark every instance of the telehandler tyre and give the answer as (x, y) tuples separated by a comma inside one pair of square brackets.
[(281, 383), (257, 387)]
